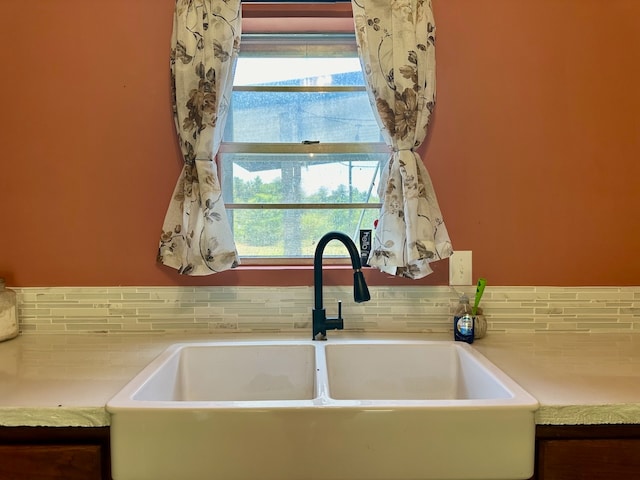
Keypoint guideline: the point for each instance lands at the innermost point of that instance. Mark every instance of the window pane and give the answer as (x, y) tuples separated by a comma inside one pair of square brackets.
[(294, 233), (321, 178), (295, 115), (273, 183), (298, 116)]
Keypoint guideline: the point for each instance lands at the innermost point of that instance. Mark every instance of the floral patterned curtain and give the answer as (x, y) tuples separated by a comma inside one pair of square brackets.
[(196, 236), (396, 44)]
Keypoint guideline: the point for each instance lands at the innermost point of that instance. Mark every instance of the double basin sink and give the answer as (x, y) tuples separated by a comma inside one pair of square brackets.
[(336, 410)]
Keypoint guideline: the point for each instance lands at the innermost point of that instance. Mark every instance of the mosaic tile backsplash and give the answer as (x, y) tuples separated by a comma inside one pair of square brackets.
[(423, 309)]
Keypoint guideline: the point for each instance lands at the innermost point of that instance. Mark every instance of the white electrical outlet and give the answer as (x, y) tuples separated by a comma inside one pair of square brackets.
[(460, 268)]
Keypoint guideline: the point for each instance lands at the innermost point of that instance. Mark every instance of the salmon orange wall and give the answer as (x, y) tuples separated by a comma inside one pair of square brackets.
[(534, 148)]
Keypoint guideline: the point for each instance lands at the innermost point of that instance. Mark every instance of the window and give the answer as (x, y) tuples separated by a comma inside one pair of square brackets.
[(302, 151)]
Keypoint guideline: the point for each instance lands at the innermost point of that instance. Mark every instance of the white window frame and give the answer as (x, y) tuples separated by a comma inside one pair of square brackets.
[(295, 44)]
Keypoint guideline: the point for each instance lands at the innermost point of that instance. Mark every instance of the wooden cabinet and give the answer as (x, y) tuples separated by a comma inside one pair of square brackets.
[(588, 452), (581, 452), (54, 453)]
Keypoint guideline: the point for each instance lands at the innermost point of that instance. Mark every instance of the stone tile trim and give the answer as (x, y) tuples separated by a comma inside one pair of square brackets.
[(288, 309)]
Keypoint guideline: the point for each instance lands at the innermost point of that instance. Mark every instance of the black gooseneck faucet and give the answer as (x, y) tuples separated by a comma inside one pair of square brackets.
[(360, 291)]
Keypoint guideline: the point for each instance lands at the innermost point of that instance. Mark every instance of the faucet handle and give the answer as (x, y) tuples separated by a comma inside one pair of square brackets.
[(336, 323)]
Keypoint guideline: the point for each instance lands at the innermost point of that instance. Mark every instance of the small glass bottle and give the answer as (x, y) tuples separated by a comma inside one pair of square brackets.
[(463, 321), (8, 318)]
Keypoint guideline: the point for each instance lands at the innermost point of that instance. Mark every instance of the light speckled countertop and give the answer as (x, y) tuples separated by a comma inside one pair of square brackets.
[(66, 380)]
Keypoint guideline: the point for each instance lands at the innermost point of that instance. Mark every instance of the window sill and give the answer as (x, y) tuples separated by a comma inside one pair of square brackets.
[(302, 275)]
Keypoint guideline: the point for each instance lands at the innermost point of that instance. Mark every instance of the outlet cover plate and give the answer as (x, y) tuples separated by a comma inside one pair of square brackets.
[(460, 268)]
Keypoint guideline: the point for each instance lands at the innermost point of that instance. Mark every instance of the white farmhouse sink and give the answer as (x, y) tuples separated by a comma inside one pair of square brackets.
[(230, 372), (336, 410), (411, 371)]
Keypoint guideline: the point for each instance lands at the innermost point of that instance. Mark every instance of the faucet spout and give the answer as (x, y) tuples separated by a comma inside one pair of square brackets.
[(360, 290)]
